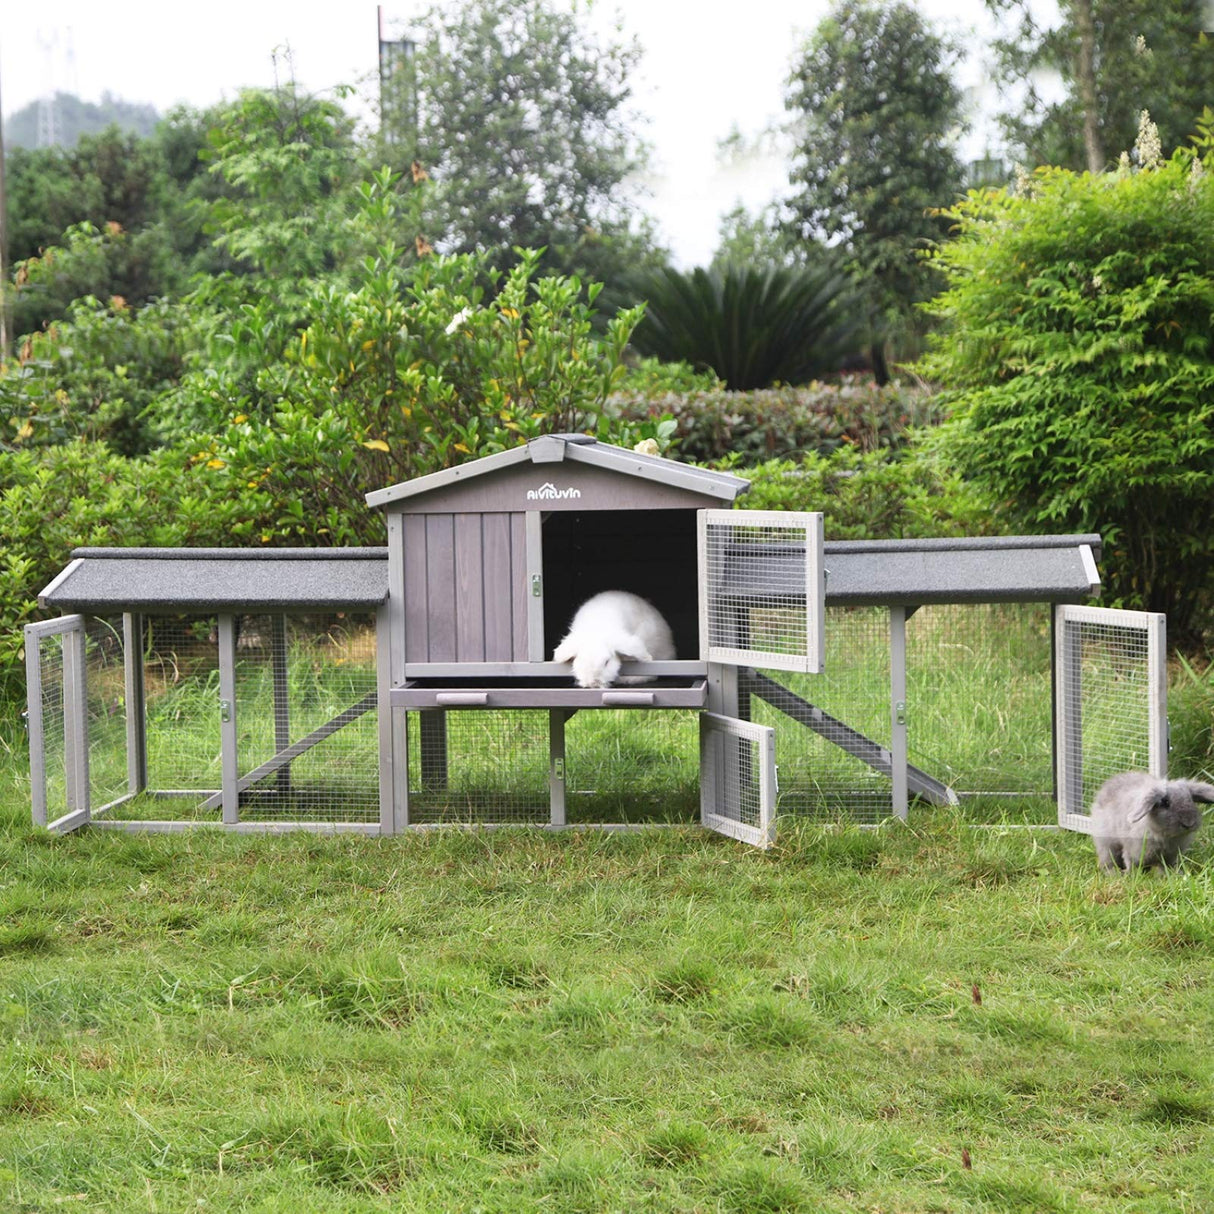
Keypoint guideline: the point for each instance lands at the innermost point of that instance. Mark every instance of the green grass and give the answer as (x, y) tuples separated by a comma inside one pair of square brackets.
[(663, 1020)]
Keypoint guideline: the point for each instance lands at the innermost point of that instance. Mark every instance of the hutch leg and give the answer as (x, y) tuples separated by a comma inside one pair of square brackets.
[(282, 702), (136, 703), (434, 749), (897, 697), (556, 765)]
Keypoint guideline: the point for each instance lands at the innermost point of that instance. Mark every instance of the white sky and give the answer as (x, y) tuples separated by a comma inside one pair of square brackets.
[(707, 67)]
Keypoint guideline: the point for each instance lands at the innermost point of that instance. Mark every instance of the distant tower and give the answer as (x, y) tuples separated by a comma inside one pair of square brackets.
[(397, 99), (57, 51)]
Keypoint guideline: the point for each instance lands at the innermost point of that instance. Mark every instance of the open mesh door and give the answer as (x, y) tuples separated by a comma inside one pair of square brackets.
[(56, 716), (1111, 702), (762, 589), (738, 779)]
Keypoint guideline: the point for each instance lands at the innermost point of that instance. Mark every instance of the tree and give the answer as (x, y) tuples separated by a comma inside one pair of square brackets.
[(522, 126), (877, 115), (1077, 357), (1114, 58)]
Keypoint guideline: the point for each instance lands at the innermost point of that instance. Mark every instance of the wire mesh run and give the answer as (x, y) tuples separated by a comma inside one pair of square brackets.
[(756, 606), (628, 766), (306, 719), (479, 767), (1109, 674), (106, 713), (833, 729), (979, 706)]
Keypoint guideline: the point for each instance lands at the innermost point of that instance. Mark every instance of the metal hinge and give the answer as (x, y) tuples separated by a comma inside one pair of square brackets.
[(537, 585), (900, 712), (225, 710)]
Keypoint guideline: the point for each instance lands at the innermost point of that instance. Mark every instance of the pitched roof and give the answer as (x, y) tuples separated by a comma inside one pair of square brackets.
[(578, 449)]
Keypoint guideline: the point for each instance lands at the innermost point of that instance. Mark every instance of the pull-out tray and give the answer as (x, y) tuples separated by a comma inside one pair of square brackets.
[(688, 692)]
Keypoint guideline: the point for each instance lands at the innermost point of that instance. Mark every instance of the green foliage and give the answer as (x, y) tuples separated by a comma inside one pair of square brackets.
[(81, 493), (876, 113), (1079, 359), (1147, 55), (97, 373), (289, 164), (716, 424), (872, 495), (750, 327), (522, 122)]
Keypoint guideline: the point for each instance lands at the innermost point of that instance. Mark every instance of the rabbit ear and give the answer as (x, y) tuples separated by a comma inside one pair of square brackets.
[(566, 651), (1144, 805), (1201, 791)]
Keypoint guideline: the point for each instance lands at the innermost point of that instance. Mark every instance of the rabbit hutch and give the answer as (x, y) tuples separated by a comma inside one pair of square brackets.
[(384, 689)]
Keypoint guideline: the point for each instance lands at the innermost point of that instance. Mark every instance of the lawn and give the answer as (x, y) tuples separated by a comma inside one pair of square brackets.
[(922, 1017)]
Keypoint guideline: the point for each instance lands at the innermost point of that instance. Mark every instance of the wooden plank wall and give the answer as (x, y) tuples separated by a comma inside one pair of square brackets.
[(465, 588)]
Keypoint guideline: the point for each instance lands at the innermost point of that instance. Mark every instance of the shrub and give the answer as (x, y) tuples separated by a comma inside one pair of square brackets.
[(751, 327), (1078, 359), (872, 495), (713, 424)]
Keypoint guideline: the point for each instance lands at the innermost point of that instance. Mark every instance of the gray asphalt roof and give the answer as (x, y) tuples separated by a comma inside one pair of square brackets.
[(867, 572), (205, 579)]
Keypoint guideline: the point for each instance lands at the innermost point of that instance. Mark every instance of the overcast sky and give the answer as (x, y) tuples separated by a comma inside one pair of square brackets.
[(707, 68)]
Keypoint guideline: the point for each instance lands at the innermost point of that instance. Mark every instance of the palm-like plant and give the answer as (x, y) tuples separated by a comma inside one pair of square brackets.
[(753, 327)]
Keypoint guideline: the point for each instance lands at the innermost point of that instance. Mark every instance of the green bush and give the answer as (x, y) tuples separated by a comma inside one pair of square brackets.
[(1078, 359), (714, 423), (872, 495)]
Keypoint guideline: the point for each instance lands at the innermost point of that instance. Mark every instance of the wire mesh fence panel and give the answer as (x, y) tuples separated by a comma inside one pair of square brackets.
[(306, 719), (1112, 702), (632, 766), (479, 766), (761, 588), (106, 699), (52, 734), (833, 729), (181, 719), (737, 779), (979, 706)]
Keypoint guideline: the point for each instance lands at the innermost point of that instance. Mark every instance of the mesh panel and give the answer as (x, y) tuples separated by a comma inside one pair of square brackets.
[(833, 729), (306, 719), (623, 766), (1106, 723), (755, 592), (478, 766), (105, 684), (54, 725), (181, 690), (731, 765), (979, 698)]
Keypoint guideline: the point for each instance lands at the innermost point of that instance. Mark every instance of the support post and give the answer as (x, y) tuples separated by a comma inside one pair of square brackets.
[(75, 722), (556, 765), (282, 699), (136, 703), (897, 694), (230, 769)]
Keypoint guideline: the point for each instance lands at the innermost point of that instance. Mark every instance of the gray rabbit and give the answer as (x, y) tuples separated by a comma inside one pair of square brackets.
[(1139, 820)]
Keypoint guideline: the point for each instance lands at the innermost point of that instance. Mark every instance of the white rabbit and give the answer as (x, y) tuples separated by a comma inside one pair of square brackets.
[(1139, 820), (613, 627)]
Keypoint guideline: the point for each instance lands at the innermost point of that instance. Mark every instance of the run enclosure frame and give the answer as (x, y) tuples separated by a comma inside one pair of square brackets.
[(485, 562)]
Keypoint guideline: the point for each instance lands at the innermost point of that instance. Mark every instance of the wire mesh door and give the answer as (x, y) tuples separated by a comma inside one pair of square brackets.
[(762, 589), (1111, 687), (56, 716), (738, 779)]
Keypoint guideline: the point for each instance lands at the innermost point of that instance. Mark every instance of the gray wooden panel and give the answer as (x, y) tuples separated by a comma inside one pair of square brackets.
[(440, 586), (499, 589), (470, 588), (416, 599), (519, 587)]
